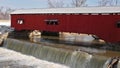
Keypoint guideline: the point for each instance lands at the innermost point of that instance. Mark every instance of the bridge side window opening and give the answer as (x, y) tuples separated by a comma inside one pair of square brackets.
[(118, 24), (52, 22), (20, 21), (94, 13), (105, 14)]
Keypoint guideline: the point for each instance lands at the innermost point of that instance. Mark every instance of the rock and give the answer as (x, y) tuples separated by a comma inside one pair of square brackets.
[(4, 32), (34, 36)]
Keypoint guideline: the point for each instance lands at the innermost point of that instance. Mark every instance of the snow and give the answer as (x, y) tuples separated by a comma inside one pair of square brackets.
[(6, 23), (12, 59), (69, 10)]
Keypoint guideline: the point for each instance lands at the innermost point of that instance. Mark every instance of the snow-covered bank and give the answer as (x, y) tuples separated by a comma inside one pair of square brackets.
[(5, 22), (12, 59)]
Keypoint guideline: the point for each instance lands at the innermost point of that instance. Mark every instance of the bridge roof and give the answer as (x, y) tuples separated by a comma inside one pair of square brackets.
[(69, 10)]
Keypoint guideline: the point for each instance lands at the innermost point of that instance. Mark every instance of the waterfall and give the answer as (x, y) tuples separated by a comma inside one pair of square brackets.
[(73, 59), (40, 51)]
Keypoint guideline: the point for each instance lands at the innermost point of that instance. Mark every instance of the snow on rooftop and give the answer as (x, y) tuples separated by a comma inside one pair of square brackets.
[(69, 10)]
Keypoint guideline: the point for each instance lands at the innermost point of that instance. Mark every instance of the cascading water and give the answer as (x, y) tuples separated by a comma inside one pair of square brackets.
[(73, 59)]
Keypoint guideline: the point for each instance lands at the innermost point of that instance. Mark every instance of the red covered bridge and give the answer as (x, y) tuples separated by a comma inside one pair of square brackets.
[(101, 21)]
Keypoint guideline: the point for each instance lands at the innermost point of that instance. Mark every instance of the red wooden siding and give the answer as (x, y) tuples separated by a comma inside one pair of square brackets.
[(103, 26)]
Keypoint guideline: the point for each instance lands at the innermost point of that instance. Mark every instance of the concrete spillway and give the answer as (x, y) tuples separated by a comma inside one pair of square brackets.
[(72, 59)]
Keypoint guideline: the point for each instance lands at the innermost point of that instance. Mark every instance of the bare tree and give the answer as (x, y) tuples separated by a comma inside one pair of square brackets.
[(108, 2), (114, 2), (50, 4), (55, 3), (5, 13), (78, 3), (1, 13), (103, 2)]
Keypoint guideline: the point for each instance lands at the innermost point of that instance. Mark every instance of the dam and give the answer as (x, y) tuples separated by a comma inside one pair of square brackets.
[(67, 57)]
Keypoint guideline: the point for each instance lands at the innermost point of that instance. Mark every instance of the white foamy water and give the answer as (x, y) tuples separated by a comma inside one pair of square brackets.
[(12, 59)]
